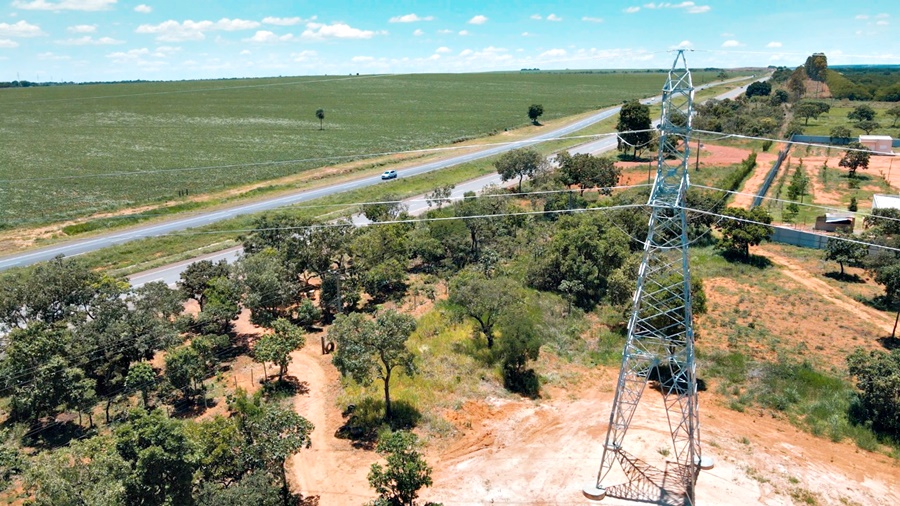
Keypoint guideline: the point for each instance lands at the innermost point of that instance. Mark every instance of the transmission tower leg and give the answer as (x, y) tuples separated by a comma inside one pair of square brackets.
[(659, 349)]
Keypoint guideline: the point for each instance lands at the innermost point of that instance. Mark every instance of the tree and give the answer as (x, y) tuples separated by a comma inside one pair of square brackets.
[(521, 343), (810, 109), (889, 276), (779, 97), (274, 433), (862, 113), (368, 349), (142, 377), (840, 134), (895, 112), (483, 299), (320, 113), (588, 171), (878, 379), (390, 208), (256, 489), (842, 251), (799, 184), (867, 126), (406, 471), (634, 126), (744, 229), (222, 296), (440, 195), (519, 163), (196, 279), (278, 346), (816, 67), (269, 287), (796, 84), (185, 372), (161, 459), (856, 157), (759, 89), (86, 472), (535, 111)]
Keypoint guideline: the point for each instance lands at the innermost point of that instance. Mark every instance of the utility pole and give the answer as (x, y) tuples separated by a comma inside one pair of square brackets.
[(659, 349)]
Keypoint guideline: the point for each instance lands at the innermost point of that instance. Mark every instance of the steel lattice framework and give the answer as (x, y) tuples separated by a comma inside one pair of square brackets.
[(659, 349)]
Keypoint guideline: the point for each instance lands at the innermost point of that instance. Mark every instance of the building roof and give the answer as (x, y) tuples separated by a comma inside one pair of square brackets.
[(875, 138), (885, 201)]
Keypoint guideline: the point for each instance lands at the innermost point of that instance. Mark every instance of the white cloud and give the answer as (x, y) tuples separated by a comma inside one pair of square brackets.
[(362, 59), (553, 17), (731, 43), (8, 44), (53, 56), (466, 52), (173, 31), (685, 44), (418, 32), (527, 34), (409, 18), (536, 17), (774, 44), (245, 52), (553, 53), (64, 5), (727, 35), (20, 29), (143, 9), (445, 31), (883, 15), (284, 21), (319, 31), (267, 37), (478, 20), (690, 7), (862, 16), (304, 55), (87, 40), (632, 10), (882, 23), (442, 50), (463, 32), (82, 29), (590, 19)]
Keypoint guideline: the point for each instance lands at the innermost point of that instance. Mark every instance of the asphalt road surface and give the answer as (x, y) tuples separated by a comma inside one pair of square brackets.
[(78, 247)]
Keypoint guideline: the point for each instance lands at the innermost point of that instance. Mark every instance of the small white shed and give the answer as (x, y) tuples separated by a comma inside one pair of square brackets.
[(879, 143), (885, 201)]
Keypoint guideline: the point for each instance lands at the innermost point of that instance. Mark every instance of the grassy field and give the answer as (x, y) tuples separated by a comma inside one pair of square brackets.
[(77, 150), (837, 116)]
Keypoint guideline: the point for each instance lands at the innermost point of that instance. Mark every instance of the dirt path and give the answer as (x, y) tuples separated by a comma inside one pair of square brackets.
[(331, 468), (831, 294), (754, 182), (521, 452)]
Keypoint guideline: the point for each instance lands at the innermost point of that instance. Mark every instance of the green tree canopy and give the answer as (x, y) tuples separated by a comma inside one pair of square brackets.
[(634, 126), (588, 171), (843, 251), (405, 473), (759, 89), (196, 279), (483, 299), (862, 113), (88, 472), (535, 111), (369, 349), (856, 157), (745, 229), (520, 163), (878, 379), (278, 345), (320, 114)]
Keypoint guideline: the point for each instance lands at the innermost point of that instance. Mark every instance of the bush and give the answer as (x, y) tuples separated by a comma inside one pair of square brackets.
[(878, 379)]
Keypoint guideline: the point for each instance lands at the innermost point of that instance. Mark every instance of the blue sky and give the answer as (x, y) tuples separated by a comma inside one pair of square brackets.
[(103, 40)]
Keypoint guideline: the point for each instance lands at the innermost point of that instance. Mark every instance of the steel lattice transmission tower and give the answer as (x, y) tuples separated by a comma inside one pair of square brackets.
[(660, 343)]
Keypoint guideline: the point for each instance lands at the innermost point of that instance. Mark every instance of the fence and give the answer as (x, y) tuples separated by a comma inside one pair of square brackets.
[(757, 200), (824, 139), (800, 238)]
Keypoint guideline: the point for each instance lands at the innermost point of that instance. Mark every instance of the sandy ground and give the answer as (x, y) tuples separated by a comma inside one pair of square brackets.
[(541, 452)]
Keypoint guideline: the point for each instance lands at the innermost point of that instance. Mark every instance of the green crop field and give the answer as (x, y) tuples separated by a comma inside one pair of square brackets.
[(76, 150)]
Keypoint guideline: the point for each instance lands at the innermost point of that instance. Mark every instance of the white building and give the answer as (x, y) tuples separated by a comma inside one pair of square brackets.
[(885, 201), (879, 143)]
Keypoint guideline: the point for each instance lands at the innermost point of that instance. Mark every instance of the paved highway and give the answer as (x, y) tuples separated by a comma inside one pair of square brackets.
[(78, 247)]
